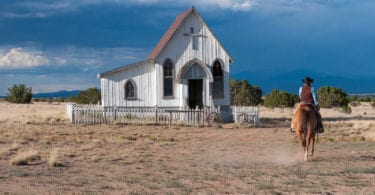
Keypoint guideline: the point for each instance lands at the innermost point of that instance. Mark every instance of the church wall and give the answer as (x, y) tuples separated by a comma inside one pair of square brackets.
[(180, 50), (113, 87)]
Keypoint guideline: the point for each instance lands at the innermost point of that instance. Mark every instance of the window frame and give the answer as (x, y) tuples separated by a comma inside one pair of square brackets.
[(126, 97), (168, 63), (218, 80)]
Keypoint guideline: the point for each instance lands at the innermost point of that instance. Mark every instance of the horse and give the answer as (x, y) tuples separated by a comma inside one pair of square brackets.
[(304, 123)]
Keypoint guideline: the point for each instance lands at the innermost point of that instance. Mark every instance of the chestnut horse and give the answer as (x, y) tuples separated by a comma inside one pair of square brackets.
[(304, 123)]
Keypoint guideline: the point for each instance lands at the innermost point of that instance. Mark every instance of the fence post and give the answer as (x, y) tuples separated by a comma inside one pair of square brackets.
[(114, 111), (198, 113), (105, 114), (235, 114), (170, 118), (156, 114), (73, 116)]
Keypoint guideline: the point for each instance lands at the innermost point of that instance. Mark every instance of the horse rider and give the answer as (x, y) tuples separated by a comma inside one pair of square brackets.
[(308, 97)]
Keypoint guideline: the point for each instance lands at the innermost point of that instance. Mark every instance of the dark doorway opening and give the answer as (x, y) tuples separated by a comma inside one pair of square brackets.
[(196, 93)]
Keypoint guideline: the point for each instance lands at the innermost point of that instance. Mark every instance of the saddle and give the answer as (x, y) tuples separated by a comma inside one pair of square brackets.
[(312, 106), (319, 128)]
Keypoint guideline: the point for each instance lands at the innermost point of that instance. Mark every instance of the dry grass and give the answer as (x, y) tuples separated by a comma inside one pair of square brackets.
[(24, 158), (53, 159), (126, 159)]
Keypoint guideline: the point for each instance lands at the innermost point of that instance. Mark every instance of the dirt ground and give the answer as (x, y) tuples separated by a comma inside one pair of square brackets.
[(232, 159)]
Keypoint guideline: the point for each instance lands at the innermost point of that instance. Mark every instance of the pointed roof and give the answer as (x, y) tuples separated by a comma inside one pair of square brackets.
[(172, 29), (163, 41)]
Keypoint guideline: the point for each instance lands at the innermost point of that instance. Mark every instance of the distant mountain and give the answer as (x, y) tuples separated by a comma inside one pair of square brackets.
[(58, 94), (291, 81)]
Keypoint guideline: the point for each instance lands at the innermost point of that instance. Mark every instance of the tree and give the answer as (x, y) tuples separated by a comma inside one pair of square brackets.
[(90, 96), (244, 94), (19, 94), (280, 99), (332, 97)]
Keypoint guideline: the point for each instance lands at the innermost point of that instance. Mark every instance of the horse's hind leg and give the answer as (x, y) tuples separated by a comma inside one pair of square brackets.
[(308, 141), (300, 139), (312, 146)]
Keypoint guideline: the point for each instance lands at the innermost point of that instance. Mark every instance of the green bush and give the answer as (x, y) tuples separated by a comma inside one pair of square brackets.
[(19, 94), (354, 103), (332, 97), (346, 109), (280, 99), (373, 103), (359, 99), (244, 94), (90, 96)]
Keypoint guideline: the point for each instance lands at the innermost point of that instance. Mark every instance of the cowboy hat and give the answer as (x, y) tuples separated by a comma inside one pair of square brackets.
[(307, 80)]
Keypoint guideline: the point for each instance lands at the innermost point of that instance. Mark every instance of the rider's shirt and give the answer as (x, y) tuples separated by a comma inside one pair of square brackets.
[(307, 95)]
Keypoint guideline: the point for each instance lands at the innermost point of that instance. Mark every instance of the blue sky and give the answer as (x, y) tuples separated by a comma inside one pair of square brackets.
[(54, 45)]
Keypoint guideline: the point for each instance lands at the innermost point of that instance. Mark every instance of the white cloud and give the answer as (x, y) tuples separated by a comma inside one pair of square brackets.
[(244, 6), (43, 9), (85, 59), (235, 5), (56, 7), (17, 58)]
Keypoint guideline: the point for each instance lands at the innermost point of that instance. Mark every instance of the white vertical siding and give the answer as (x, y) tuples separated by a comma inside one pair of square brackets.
[(149, 77), (180, 50), (113, 86)]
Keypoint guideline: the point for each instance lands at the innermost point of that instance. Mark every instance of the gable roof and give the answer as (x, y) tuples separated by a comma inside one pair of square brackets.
[(173, 28), (163, 42), (104, 74)]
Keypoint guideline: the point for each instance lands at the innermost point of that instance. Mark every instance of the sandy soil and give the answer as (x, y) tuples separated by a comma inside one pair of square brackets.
[(183, 160)]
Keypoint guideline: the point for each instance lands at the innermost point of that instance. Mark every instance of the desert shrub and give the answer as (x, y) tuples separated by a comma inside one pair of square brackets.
[(90, 96), (50, 100), (244, 94), (332, 97), (354, 103), (365, 99), (360, 99), (373, 103), (19, 94), (346, 109), (280, 99), (60, 99), (24, 158)]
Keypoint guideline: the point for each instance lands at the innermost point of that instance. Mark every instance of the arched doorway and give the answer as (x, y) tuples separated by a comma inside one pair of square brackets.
[(196, 76)]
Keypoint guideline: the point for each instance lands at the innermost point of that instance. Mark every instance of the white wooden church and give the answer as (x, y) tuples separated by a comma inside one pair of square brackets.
[(188, 68)]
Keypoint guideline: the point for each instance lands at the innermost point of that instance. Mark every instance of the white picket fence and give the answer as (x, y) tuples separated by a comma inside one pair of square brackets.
[(248, 114), (96, 114)]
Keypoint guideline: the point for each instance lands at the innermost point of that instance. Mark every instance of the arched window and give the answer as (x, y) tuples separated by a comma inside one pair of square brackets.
[(130, 90), (218, 84), (168, 72)]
